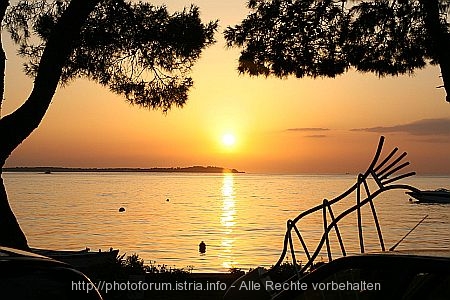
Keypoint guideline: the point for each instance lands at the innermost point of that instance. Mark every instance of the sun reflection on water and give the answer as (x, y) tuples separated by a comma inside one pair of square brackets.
[(227, 221)]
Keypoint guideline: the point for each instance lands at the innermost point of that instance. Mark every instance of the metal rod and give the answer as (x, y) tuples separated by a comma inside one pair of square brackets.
[(327, 240), (377, 180), (397, 160), (382, 182), (338, 234), (401, 240), (386, 159), (400, 177), (349, 211), (375, 218), (305, 248), (294, 259), (358, 211), (385, 176), (374, 214)]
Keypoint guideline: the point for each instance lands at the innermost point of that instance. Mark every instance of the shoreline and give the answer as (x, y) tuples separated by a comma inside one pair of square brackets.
[(193, 169)]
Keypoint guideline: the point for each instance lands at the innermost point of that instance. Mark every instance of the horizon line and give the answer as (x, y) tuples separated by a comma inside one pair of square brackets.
[(189, 169)]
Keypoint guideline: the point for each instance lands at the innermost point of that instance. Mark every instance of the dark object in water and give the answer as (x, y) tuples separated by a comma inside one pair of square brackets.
[(122, 209), (437, 196), (81, 259), (202, 247)]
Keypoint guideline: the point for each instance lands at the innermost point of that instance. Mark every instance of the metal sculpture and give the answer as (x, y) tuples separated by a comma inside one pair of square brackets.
[(384, 173)]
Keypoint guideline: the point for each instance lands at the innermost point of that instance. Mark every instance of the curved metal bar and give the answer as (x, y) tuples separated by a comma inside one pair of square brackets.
[(351, 189), (327, 240), (385, 176), (386, 159), (326, 205), (294, 259), (302, 241), (399, 177), (285, 245), (377, 155), (338, 234), (358, 212), (377, 225), (396, 161), (347, 212), (375, 218)]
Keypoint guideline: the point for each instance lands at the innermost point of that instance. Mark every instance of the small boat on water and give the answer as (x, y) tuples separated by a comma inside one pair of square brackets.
[(81, 259), (437, 196)]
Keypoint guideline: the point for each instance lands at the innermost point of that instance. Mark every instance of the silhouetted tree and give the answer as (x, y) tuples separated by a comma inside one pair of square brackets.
[(328, 37), (135, 49)]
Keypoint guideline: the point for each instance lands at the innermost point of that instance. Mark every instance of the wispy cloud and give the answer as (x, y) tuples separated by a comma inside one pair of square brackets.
[(311, 130), (316, 136), (423, 127), (305, 129)]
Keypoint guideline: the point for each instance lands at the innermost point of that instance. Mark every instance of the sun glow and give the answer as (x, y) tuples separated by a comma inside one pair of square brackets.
[(228, 139)]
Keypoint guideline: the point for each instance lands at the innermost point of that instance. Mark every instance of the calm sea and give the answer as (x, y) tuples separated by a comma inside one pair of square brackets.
[(241, 217)]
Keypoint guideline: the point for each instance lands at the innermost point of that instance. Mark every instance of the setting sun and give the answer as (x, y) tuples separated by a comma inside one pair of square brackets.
[(228, 139)]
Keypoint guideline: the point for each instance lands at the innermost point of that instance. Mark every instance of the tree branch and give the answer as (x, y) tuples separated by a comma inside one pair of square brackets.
[(440, 40), (17, 126), (3, 6)]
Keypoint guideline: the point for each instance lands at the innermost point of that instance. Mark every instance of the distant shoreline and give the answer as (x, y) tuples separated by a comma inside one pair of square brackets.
[(193, 169)]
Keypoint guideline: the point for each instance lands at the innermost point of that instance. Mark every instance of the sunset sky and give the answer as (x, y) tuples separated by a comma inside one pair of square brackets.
[(278, 126)]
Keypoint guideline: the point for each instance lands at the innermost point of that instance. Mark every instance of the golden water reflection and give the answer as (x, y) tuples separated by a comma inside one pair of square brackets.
[(227, 221)]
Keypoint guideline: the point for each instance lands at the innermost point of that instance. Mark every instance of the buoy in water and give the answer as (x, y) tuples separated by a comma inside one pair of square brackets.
[(122, 209), (202, 247)]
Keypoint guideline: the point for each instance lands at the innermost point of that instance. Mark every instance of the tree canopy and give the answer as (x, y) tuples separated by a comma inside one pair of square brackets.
[(133, 48), (326, 38)]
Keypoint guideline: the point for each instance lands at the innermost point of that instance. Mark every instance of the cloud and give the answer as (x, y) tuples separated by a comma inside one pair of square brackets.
[(436, 127), (310, 130), (307, 129), (316, 136), (437, 140)]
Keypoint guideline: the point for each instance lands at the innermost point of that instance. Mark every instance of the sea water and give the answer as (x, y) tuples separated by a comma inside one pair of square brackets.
[(240, 217)]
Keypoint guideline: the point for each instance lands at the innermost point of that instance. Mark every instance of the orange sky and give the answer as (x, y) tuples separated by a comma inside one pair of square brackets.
[(281, 126)]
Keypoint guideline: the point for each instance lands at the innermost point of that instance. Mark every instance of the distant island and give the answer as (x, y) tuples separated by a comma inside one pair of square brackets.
[(193, 169)]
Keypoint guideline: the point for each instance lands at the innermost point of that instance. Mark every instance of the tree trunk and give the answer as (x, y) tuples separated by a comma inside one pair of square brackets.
[(11, 235), (440, 40), (3, 6), (17, 126)]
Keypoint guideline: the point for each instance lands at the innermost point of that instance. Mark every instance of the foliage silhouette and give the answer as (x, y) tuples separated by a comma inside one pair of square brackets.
[(135, 49), (328, 37)]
